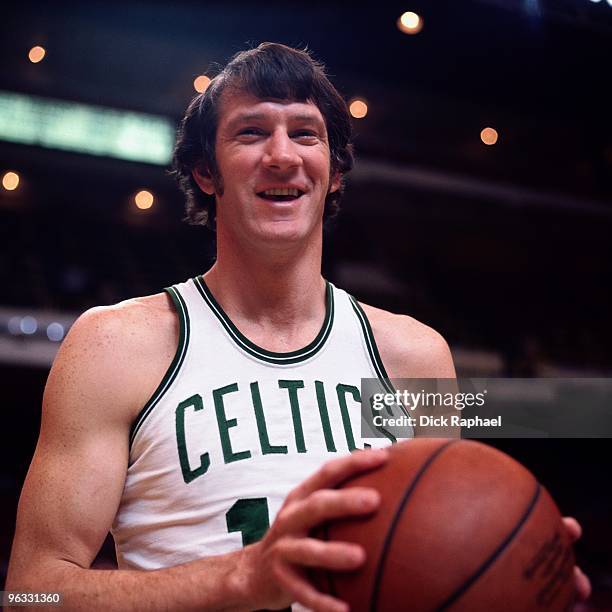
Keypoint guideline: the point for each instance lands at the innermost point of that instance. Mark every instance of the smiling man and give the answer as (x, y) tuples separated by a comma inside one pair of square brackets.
[(208, 425)]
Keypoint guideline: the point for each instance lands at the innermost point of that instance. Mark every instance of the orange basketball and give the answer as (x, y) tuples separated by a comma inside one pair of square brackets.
[(461, 527)]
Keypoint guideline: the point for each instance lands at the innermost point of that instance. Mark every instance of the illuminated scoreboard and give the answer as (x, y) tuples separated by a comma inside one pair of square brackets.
[(82, 128)]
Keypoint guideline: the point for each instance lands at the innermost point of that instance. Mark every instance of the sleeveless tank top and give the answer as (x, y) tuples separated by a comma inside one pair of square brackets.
[(232, 428)]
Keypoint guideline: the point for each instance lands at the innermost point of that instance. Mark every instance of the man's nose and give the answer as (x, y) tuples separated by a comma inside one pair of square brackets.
[(281, 152)]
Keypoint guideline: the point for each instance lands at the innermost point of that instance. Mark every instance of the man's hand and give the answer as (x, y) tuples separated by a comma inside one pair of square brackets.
[(583, 584), (276, 566)]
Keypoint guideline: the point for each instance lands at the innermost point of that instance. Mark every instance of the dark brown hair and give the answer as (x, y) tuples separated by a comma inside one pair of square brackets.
[(271, 71)]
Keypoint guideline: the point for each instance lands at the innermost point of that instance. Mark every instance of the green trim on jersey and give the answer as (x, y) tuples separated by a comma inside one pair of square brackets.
[(377, 362), (368, 334), (260, 353), (175, 366)]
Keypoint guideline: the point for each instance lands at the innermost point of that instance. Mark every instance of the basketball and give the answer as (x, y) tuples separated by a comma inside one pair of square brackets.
[(461, 527)]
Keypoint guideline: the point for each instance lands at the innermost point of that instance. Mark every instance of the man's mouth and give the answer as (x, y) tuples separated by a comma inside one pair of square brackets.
[(285, 194)]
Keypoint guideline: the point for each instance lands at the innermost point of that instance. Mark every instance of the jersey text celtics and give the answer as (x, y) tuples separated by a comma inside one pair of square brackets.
[(233, 428)]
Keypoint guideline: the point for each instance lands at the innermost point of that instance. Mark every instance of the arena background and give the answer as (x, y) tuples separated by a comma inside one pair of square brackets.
[(504, 248)]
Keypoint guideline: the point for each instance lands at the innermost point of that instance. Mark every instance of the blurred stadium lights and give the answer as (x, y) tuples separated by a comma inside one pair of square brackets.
[(144, 199), (10, 181), (410, 23), (201, 83), (13, 325), (28, 325), (358, 108), (55, 331), (489, 136), (36, 54), (32, 337), (81, 128)]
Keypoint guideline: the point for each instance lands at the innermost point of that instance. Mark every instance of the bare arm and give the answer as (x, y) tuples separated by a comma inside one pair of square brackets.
[(411, 350), (408, 348), (75, 482), (76, 478)]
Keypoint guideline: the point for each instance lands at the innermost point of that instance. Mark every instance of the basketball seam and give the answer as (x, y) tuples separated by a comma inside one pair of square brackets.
[(389, 536), (500, 549)]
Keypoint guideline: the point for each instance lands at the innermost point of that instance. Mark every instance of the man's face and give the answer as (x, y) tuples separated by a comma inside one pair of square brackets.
[(274, 163)]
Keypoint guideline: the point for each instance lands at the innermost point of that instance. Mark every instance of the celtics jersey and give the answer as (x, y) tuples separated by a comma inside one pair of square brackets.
[(233, 427)]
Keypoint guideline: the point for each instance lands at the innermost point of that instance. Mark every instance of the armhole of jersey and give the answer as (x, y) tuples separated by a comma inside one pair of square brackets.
[(175, 366), (371, 347)]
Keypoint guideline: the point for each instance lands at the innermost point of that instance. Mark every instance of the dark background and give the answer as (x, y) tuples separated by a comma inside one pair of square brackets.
[(505, 250)]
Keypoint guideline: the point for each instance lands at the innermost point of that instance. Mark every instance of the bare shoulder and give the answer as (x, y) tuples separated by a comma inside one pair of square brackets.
[(409, 348), (119, 353)]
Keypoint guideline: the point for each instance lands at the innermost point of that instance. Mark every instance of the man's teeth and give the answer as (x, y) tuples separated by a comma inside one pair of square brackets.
[(282, 192)]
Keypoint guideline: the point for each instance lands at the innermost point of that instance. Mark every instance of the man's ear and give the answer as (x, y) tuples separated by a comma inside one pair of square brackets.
[(202, 177), (336, 181)]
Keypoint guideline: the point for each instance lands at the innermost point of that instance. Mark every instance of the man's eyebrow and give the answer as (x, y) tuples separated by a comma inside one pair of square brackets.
[(245, 117), (253, 116), (307, 117)]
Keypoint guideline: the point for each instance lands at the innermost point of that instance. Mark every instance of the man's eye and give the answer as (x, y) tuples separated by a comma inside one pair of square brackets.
[(306, 134), (250, 132)]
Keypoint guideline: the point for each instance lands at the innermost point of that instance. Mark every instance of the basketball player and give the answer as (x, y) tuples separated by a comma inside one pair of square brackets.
[(249, 377)]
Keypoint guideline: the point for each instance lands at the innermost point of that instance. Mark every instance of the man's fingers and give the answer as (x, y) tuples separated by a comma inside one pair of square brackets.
[(302, 591), (325, 505), (581, 580), (583, 584), (337, 470), (311, 503), (311, 552), (573, 527)]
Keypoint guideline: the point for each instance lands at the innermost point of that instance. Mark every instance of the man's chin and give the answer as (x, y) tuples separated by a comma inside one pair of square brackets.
[(284, 232)]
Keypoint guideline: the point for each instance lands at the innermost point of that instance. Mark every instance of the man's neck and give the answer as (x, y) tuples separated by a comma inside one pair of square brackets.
[(271, 293)]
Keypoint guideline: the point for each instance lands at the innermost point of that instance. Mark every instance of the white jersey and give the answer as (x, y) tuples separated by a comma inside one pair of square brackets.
[(232, 428)]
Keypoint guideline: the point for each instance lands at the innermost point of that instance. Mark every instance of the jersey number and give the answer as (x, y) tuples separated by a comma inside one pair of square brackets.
[(250, 517)]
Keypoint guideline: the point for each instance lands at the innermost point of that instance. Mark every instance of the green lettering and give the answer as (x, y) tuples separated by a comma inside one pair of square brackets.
[(327, 431), (181, 443), (225, 424), (292, 386), (342, 390), (264, 440)]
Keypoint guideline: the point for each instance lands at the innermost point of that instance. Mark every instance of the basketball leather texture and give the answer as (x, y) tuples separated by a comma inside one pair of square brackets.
[(461, 527)]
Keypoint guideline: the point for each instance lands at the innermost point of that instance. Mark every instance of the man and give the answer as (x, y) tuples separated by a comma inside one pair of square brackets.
[(249, 377)]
